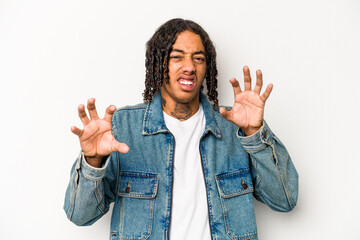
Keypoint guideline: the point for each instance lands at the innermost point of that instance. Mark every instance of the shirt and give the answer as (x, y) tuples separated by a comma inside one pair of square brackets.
[(189, 215)]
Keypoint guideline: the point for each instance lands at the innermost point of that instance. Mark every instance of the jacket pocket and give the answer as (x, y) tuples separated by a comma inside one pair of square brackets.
[(137, 193), (235, 189)]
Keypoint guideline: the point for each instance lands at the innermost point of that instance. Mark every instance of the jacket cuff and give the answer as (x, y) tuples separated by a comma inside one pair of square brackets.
[(258, 141), (90, 172)]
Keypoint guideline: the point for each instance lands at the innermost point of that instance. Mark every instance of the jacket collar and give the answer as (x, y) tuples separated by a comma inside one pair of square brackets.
[(154, 123)]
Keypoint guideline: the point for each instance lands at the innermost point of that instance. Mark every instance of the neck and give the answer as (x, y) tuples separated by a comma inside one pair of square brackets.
[(180, 111)]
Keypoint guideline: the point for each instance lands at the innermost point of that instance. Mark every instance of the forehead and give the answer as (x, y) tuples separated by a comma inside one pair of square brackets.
[(188, 41)]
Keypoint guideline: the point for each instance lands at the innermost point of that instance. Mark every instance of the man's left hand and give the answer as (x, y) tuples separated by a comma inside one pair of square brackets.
[(248, 110)]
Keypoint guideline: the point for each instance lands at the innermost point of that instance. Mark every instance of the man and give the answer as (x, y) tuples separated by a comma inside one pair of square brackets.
[(177, 167)]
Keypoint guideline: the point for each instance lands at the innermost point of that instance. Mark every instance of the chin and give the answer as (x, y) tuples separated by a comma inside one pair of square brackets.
[(187, 99)]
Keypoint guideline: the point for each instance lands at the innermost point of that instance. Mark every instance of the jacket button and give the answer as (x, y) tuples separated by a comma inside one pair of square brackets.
[(244, 185), (128, 189)]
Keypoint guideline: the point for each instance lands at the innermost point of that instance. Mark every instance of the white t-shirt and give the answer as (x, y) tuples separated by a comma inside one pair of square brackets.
[(189, 212)]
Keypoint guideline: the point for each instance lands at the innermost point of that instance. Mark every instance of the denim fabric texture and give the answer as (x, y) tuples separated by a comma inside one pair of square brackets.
[(236, 169)]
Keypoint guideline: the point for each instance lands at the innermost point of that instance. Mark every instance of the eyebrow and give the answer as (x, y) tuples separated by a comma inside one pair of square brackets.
[(182, 51)]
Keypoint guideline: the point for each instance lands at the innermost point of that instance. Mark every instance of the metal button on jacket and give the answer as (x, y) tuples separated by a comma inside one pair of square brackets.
[(244, 185), (128, 189)]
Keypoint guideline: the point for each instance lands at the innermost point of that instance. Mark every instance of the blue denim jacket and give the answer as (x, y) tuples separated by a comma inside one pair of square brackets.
[(235, 168)]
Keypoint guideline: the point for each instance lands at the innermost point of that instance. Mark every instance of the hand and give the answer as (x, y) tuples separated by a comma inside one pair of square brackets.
[(248, 110), (96, 139)]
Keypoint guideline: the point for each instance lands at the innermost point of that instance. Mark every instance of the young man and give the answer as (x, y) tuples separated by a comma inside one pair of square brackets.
[(176, 166)]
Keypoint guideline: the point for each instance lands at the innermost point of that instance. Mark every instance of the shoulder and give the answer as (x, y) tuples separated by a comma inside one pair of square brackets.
[(139, 106), (128, 119), (131, 109), (130, 112)]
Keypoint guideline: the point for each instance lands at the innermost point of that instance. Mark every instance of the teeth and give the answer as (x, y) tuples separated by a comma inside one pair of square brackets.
[(188, 83)]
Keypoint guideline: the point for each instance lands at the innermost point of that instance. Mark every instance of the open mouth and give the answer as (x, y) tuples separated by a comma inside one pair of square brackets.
[(186, 82)]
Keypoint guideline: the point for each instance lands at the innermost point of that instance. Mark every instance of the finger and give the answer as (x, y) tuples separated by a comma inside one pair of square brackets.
[(109, 113), (247, 78), (82, 114), (236, 86), (225, 114), (119, 147), (267, 92), (92, 109), (76, 131), (259, 82)]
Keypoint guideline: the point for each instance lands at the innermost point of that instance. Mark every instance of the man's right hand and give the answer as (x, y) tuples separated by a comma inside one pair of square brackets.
[(96, 139)]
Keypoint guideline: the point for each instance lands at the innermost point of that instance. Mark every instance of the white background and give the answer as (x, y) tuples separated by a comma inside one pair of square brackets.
[(55, 55)]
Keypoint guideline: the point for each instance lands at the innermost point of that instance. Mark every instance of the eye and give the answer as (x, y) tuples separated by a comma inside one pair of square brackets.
[(199, 59), (175, 58)]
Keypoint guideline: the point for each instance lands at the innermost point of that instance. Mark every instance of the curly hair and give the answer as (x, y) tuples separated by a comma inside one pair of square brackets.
[(158, 50)]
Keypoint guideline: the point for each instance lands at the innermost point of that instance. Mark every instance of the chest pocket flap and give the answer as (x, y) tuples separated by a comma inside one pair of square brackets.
[(138, 185), (234, 183)]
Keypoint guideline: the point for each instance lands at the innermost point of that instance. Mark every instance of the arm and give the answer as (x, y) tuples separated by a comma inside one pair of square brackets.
[(274, 175), (93, 176), (90, 190)]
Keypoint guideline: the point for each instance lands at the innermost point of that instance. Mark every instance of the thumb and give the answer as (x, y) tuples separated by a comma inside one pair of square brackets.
[(119, 147), (225, 114)]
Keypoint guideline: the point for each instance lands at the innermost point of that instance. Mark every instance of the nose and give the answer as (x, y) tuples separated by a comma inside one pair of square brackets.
[(188, 65)]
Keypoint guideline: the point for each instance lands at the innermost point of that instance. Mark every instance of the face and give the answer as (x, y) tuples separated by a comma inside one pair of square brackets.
[(187, 68)]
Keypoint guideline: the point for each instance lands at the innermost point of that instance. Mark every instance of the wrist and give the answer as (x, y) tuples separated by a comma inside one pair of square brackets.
[(95, 161), (250, 131)]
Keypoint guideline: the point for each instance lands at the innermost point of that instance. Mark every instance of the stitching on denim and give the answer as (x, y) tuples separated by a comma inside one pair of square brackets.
[(254, 149), (238, 193), (150, 222), (209, 199), (151, 217), (118, 173), (289, 200), (155, 187), (90, 178), (232, 174), (275, 156), (253, 161), (153, 193), (72, 204), (134, 175), (252, 236), (257, 183), (228, 231), (225, 217), (215, 131), (137, 195), (98, 198), (147, 234), (146, 119), (170, 173), (121, 215)]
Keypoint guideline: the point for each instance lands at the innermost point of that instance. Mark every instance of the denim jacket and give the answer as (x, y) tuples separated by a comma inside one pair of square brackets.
[(139, 182)]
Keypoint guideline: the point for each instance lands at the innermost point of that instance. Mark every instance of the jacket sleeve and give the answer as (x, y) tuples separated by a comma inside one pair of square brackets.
[(274, 175), (90, 190)]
